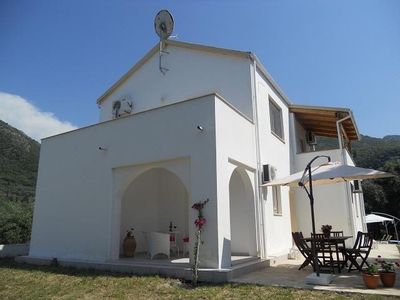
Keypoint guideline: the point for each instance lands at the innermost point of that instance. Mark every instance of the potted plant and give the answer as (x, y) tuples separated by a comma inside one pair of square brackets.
[(387, 272), (371, 276), (129, 244), (326, 230)]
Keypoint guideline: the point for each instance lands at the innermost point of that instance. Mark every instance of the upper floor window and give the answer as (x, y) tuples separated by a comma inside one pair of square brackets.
[(275, 115)]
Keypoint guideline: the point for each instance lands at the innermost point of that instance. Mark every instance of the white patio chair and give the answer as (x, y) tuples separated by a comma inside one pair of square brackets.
[(157, 243)]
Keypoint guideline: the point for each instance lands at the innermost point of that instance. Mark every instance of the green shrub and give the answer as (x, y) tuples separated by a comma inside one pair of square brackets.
[(15, 221)]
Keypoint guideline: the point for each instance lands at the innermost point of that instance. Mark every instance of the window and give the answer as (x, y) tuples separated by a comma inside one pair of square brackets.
[(276, 198), (275, 115)]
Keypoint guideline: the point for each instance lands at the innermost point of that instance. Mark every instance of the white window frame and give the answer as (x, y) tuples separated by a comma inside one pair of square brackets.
[(277, 200)]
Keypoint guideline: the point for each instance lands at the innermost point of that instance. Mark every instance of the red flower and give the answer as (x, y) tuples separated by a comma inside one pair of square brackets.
[(186, 239), (200, 222)]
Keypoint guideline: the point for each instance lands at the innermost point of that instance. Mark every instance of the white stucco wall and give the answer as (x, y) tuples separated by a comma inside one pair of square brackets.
[(277, 153), (76, 212), (191, 73), (235, 148), (357, 204)]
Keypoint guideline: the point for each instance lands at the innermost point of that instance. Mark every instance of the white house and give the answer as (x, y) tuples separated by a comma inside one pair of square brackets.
[(207, 128)]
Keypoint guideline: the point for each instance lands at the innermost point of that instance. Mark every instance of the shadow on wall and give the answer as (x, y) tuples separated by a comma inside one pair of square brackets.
[(226, 254)]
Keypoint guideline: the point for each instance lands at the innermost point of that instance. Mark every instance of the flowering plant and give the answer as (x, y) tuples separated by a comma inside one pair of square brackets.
[(199, 222), (387, 267), (372, 269), (200, 205), (129, 233), (326, 228)]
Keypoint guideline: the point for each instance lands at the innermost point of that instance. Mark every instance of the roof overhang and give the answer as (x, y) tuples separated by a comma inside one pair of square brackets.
[(322, 120)]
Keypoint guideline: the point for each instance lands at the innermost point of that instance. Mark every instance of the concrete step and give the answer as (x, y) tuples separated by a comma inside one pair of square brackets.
[(242, 259), (251, 265)]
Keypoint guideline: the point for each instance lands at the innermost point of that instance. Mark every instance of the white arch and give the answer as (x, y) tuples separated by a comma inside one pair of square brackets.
[(242, 213), (152, 200), (129, 174)]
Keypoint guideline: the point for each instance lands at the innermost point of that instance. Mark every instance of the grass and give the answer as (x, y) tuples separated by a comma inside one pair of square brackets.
[(21, 281)]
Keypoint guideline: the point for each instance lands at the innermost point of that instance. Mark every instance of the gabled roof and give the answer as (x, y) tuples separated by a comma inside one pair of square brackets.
[(198, 47), (322, 120)]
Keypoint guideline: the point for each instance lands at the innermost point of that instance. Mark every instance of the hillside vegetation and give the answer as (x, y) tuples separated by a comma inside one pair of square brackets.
[(19, 156), (381, 195)]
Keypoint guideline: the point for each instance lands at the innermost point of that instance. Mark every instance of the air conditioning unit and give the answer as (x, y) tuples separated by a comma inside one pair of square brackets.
[(126, 107), (122, 107), (310, 138), (269, 173), (356, 186)]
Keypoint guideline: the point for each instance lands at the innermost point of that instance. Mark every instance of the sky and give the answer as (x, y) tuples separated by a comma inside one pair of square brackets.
[(58, 57)]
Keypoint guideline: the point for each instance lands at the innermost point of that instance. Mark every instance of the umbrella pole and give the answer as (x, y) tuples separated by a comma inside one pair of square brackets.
[(311, 196)]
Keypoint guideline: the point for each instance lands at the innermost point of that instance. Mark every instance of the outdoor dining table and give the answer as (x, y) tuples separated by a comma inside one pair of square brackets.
[(329, 250)]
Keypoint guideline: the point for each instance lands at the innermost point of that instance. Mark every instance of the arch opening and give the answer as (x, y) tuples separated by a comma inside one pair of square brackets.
[(242, 214), (151, 201)]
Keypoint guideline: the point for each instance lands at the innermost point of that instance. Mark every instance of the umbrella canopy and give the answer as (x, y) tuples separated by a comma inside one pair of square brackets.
[(372, 218), (330, 173)]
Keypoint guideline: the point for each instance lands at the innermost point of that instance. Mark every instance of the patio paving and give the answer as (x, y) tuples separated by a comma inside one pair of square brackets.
[(285, 274)]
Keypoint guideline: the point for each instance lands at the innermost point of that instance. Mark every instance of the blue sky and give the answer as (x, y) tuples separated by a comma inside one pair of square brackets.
[(62, 55)]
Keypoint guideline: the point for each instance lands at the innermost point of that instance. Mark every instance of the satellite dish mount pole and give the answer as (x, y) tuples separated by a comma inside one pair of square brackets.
[(163, 70)]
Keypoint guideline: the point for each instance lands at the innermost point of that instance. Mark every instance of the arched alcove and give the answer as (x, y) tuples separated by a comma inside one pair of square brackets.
[(151, 201), (242, 214)]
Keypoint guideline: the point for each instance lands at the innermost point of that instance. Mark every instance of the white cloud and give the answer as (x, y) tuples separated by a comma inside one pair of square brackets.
[(21, 114)]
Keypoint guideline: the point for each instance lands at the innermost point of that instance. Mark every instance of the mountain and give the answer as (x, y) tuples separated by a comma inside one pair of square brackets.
[(19, 158), (369, 152)]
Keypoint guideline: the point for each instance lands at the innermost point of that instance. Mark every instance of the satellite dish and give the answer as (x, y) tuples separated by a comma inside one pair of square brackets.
[(164, 24)]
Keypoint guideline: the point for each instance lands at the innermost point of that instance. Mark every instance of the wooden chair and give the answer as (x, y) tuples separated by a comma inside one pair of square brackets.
[(325, 251), (337, 233), (304, 249), (361, 249)]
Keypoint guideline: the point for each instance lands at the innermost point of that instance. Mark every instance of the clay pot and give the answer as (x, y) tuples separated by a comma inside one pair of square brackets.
[(371, 281), (388, 278), (129, 246)]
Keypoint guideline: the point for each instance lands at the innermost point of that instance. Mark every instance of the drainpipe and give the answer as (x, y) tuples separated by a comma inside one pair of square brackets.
[(347, 185), (339, 130), (260, 205)]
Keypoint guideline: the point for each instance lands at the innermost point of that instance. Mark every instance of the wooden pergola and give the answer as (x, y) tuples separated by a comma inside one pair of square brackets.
[(323, 121)]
